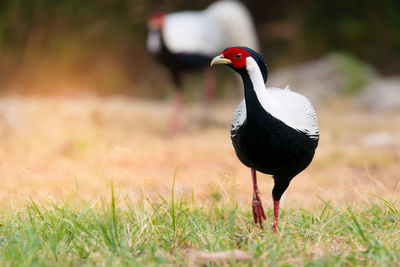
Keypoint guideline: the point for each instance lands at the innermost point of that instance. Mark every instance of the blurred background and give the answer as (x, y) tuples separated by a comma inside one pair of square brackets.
[(51, 47), (82, 100)]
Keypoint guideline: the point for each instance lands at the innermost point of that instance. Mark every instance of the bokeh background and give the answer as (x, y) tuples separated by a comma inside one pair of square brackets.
[(49, 47), (82, 101)]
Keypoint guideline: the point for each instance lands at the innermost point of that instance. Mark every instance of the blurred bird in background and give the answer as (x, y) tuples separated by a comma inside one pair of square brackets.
[(188, 40)]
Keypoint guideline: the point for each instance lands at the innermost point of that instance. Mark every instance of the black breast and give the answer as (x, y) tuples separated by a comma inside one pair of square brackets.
[(270, 146)]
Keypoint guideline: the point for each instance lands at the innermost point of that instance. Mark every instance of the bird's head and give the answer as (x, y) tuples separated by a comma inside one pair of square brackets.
[(242, 60), (156, 21)]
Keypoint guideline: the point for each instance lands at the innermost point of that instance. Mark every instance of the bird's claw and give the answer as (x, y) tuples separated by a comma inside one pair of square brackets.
[(258, 211)]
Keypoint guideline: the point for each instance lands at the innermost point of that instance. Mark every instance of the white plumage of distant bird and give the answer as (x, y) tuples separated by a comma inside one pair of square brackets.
[(274, 131), (188, 40)]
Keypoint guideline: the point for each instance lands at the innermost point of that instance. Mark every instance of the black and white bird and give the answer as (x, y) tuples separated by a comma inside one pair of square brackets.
[(188, 40), (274, 131)]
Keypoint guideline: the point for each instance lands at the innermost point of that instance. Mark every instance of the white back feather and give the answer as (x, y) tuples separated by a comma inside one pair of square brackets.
[(290, 107), (192, 32), (236, 22), (223, 24)]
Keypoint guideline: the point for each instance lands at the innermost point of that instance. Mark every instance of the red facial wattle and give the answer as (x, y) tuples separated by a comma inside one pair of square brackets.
[(237, 56)]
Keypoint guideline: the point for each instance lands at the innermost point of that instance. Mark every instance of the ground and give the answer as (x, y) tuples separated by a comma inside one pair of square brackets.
[(53, 146), (58, 150)]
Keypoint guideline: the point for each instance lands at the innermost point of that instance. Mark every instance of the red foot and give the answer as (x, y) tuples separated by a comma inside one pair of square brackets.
[(258, 211), (209, 83)]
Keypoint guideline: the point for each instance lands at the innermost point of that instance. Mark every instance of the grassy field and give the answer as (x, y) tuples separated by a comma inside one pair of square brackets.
[(90, 182), (173, 232)]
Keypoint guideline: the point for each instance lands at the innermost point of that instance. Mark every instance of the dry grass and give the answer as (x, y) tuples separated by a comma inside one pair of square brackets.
[(57, 147)]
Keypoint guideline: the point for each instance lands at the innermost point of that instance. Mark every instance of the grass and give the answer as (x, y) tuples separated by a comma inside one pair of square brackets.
[(51, 147), (63, 152), (127, 232)]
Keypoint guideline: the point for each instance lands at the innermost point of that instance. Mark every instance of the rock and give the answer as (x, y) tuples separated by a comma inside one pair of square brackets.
[(382, 94), (324, 78), (379, 139)]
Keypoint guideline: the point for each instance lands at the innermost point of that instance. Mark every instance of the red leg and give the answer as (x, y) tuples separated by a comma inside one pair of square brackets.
[(258, 211), (276, 215), (175, 124), (209, 83), (208, 95)]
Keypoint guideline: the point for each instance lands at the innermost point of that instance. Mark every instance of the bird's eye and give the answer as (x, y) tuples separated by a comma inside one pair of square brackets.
[(238, 56)]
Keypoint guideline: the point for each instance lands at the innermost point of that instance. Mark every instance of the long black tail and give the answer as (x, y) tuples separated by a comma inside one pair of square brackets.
[(281, 184)]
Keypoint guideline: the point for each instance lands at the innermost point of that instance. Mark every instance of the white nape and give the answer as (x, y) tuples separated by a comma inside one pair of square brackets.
[(290, 107), (154, 42)]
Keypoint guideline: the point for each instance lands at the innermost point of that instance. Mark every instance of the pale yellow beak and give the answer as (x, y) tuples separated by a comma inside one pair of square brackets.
[(220, 60)]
